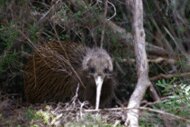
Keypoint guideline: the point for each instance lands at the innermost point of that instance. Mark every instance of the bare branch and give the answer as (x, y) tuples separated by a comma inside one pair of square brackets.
[(103, 29), (128, 38), (167, 76)]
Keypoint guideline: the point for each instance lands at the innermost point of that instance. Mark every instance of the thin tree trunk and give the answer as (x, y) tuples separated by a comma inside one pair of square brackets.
[(136, 7)]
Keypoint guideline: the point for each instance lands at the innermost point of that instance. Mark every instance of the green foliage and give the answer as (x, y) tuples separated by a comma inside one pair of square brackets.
[(178, 97), (8, 34), (90, 120), (166, 86), (46, 116), (148, 119), (8, 60), (32, 115), (178, 102), (39, 115), (175, 101), (64, 37), (34, 125), (3, 2), (33, 31)]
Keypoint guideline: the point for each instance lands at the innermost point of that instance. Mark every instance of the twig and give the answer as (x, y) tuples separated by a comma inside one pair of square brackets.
[(142, 108), (156, 60), (103, 29), (42, 19), (114, 8), (167, 76)]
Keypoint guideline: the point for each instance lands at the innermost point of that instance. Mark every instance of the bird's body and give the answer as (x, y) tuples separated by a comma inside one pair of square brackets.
[(55, 70)]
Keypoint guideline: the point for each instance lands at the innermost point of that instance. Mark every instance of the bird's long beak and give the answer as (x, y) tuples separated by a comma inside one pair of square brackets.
[(99, 81)]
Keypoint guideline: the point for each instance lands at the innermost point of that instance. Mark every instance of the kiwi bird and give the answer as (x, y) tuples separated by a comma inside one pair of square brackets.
[(55, 70)]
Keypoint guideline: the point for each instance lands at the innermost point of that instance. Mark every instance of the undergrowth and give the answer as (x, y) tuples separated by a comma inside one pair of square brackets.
[(24, 24)]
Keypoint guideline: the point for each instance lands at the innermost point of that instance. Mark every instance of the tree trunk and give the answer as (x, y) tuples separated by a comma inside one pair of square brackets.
[(136, 7)]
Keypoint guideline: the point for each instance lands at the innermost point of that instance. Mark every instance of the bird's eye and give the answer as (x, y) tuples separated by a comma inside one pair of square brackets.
[(92, 70), (106, 70)]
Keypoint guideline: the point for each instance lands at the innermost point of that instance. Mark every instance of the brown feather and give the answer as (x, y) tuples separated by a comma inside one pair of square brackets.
[(55, 69)]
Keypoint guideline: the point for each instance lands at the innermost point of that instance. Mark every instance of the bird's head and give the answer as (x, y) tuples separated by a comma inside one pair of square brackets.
[(98, 65)]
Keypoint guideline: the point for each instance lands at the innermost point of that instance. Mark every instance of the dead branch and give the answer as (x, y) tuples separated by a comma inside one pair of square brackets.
[(167, 76), (162, 59), (127, 38), (172, 116), (157, 60)]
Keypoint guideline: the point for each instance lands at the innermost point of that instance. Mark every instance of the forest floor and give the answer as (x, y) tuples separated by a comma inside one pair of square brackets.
[(16, 113)]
